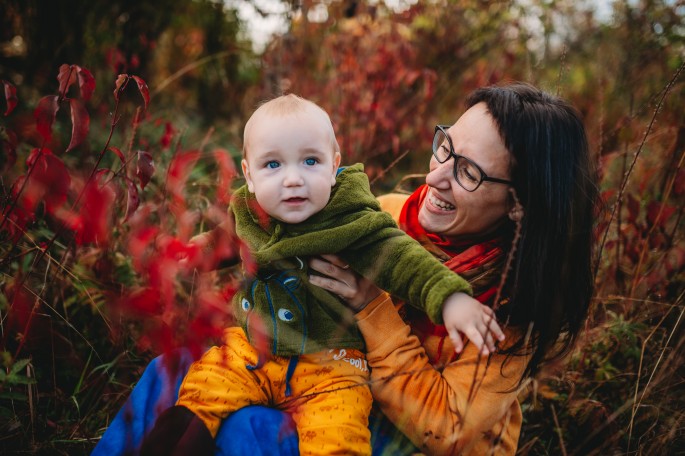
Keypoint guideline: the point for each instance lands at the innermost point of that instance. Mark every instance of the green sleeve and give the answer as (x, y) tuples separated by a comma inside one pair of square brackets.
[(401, 266)]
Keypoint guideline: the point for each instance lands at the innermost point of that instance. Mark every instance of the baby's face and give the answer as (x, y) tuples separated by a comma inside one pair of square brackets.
[(291, 165)]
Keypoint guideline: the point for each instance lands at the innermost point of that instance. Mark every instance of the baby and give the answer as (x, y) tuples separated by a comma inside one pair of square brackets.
[(297, 347)]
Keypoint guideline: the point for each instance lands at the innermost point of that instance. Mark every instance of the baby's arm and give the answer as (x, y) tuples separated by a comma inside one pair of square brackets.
[(462, 313)]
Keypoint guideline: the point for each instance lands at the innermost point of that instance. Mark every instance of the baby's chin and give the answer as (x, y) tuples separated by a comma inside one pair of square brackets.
[(292, 219)]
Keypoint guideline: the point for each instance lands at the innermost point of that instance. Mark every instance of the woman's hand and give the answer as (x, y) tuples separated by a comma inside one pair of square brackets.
[(355, 290)]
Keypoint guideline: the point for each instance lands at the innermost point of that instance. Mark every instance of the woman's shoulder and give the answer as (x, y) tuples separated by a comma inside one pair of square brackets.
[(392, 203)]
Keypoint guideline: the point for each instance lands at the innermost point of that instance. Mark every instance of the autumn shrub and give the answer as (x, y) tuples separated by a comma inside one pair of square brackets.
[(97, 271)]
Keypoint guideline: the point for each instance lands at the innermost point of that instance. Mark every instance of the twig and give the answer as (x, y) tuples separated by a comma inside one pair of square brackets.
[(636, 402), (557, 428), (665, 92)]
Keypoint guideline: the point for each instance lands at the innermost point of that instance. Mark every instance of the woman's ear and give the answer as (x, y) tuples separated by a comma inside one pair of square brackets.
[(516, 213)]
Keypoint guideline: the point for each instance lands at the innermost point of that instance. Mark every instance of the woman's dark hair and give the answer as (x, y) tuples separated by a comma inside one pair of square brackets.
[(551, 281)]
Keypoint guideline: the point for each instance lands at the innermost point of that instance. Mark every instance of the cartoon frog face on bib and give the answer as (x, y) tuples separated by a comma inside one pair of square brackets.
[(275, 305)]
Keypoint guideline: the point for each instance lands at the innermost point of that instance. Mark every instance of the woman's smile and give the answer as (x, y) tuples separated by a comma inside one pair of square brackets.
[(439, 203)]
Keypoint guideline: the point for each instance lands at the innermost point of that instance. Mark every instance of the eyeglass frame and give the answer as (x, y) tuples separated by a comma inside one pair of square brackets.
[(452, 154)]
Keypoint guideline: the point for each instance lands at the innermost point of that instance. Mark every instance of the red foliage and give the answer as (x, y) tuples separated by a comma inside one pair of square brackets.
[(80, 123), (659, 214), (133, 200), (94, 222), (169, 132), (179, 170), (47, 181), (10, 97), (118, 153), (145, 168), (122, 82), (45, 114), (227, 172), (142, 88)]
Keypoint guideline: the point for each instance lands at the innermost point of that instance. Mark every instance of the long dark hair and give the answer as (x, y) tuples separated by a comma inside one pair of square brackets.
[(551, 281)]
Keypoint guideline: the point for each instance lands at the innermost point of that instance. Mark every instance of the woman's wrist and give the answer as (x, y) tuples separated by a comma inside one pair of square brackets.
[(371, 305)]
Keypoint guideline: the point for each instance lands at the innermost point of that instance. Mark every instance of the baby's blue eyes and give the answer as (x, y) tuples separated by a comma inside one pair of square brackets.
[(273, 164)]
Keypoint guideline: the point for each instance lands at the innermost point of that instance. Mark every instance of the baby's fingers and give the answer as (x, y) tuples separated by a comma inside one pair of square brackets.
[(476, 337), (491, 323), (456, 340)]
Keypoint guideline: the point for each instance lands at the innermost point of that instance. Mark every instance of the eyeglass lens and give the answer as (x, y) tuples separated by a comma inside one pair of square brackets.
[(466, 173)]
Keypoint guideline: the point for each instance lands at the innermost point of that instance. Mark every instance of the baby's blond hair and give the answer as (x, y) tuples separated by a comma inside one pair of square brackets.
[(283, 106)]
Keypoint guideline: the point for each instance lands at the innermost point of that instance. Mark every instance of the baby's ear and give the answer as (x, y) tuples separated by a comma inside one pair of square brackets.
[(336, 165), (248, 176)]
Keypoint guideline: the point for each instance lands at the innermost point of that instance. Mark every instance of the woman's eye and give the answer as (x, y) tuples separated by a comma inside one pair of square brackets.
[(468, 172), (272, 164), (310, 161)]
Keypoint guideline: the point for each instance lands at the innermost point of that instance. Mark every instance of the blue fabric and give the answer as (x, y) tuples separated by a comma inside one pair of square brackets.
[(254, 431)]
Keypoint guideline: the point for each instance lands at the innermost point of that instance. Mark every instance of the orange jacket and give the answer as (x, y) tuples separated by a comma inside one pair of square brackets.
[(437, 408)]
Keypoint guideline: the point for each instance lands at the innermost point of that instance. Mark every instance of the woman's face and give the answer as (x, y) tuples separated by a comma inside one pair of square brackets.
[(448, 209)]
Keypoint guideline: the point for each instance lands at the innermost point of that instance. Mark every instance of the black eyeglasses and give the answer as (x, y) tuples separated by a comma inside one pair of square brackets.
[(466, 172)]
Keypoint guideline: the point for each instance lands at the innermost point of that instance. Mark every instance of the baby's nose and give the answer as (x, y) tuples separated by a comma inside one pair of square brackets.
[(293, 178)]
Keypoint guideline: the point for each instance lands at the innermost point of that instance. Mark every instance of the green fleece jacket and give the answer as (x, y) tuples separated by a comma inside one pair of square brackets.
[(279, 306)]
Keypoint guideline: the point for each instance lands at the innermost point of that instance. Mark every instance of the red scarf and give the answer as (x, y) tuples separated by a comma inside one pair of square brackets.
[(478, 263)]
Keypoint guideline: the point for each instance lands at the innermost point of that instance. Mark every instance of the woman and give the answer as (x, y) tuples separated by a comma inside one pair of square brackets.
[(510, 184), (516, 161)]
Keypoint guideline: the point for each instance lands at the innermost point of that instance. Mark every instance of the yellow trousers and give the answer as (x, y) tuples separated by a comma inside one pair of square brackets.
[(329, 398)]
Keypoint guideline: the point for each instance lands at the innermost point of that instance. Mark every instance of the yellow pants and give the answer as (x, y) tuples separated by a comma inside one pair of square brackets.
[(329, 397)]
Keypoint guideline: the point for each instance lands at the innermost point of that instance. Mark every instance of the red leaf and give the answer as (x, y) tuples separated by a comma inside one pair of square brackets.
[(227, 173), (95, 214), (10, 97), (48, 182), (101, 174), (145, 168), (86, 83), (120, 84), (142, 88), (168, 134), (133, 200), (179, 169), (66, 77), (143, 302), (119, 154), (80, 123), (659, 214), (45, 114), (633, 206), (139, 244)]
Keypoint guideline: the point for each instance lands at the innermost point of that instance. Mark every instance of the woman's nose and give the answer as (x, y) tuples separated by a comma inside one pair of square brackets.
[(439, 174)]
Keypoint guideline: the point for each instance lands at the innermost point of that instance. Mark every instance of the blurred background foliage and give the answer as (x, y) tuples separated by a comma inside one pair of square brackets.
[(387, 75)]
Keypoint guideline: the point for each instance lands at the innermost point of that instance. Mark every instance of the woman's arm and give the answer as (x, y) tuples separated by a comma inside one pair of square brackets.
[(467, 408), (440, 411)]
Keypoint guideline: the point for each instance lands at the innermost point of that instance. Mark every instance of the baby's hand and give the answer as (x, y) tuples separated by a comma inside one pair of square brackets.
[(463, 313)]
